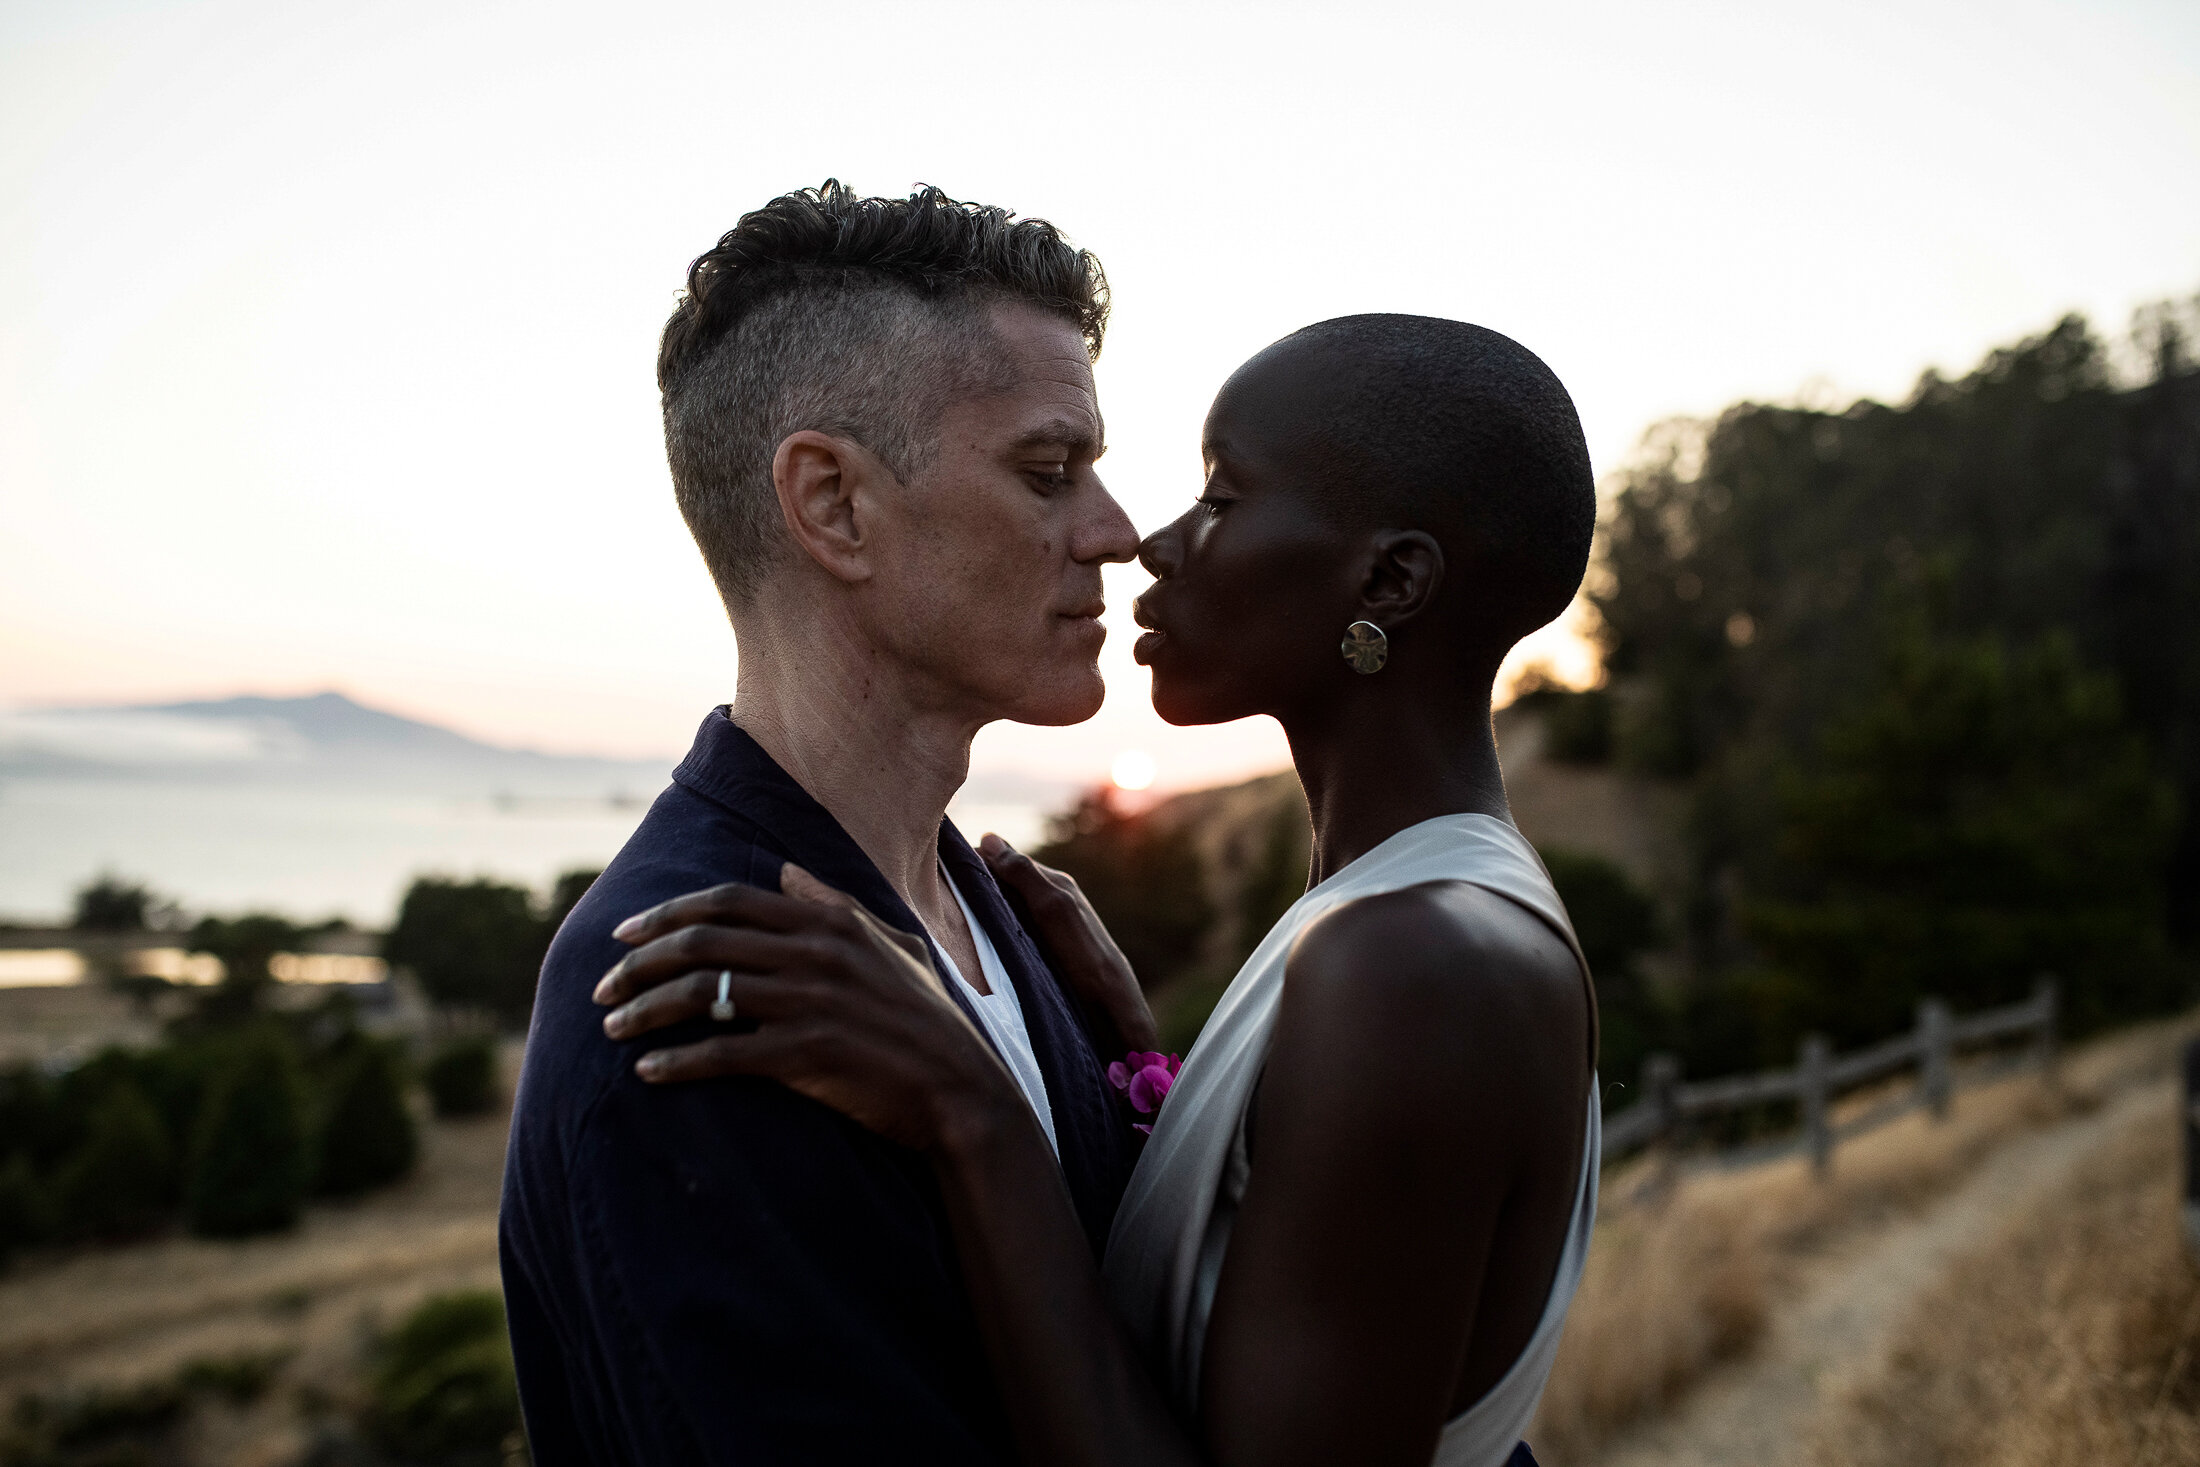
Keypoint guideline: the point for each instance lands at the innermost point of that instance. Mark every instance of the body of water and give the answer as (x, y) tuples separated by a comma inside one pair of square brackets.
[(315, 850)]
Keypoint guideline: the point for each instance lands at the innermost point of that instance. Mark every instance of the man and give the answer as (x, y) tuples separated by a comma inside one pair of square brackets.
[(882, 429)]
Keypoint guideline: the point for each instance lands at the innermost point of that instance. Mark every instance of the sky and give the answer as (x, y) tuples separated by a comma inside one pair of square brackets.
[(327, 332)]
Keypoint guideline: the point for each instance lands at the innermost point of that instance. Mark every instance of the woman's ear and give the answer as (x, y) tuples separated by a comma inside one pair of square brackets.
[(821, 482), (1404, 572)]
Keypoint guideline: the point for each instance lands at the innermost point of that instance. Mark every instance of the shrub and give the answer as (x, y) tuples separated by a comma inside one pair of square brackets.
[(368, 1136), (24, 1215), (251, 1163), (462, 1077), (121, 1180), (443, 1387)]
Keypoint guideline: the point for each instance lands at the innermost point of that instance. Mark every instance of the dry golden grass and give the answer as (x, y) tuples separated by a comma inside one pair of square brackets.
[(2072, 1337), (1684, 1276)]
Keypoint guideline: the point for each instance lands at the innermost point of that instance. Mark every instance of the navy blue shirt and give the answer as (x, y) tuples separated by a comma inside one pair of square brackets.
[(725, 1271)]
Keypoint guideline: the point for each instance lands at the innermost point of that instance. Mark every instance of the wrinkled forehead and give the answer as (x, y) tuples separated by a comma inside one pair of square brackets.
[(1035, 379)]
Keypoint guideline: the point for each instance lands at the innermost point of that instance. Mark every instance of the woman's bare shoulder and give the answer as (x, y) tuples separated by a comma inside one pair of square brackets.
[(1442, 960)]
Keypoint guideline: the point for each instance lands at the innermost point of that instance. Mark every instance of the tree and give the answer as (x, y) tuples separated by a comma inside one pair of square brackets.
[(1985, 817), (252, 1160), (368, 1135), (245, 947), (1751, 569), (108, 903), (472, 944)]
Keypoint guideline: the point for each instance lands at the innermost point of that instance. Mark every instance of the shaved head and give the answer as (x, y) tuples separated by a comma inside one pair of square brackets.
[(1422, 423)]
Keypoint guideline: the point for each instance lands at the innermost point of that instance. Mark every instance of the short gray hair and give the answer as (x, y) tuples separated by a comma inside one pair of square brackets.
[(863, 318)]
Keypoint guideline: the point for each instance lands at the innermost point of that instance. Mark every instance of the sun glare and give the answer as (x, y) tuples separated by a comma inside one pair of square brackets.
[(1132, 770)]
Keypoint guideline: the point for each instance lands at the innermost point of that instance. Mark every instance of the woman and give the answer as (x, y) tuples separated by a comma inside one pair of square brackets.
[(1366, 1203)]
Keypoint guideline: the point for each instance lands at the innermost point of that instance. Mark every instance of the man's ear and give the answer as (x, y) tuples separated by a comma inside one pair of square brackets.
[(824, 485), (1405, 569)]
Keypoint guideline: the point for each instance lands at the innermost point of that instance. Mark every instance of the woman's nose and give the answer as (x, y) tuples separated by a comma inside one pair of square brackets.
[(1158, 552)]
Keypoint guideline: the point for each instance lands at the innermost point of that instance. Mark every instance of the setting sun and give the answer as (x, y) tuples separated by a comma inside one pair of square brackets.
[(1132, 770)]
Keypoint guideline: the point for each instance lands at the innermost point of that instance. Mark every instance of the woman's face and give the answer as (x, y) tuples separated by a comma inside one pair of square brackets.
[(1255, 584)]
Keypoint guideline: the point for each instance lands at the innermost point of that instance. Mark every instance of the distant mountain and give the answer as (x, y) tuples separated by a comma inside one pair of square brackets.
[(332, 721), (323, 737)]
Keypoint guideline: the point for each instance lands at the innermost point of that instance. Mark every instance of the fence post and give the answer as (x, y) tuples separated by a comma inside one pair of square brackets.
[(1935, 1035), (2048, 995), (1813, 1068)]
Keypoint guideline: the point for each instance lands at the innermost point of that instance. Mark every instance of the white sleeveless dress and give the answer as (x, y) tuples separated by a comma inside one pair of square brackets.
[(1165, 1251)]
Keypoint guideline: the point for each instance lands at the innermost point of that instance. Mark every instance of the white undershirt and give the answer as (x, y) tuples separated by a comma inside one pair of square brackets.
[(1002, 1015)]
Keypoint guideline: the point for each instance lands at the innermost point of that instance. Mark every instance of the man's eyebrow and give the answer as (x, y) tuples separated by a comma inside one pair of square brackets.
[(1069, 433)]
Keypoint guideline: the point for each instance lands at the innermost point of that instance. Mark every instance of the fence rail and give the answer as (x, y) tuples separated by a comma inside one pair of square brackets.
[(1668, 1106)]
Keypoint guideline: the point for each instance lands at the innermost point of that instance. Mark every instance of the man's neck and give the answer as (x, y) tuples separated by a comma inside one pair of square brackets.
[(881, 761)]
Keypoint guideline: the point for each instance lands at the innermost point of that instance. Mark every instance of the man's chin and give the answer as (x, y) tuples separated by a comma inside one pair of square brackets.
[(1057, 707)]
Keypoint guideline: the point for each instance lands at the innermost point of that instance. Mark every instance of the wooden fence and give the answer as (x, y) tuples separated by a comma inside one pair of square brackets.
[(1668, 1106)]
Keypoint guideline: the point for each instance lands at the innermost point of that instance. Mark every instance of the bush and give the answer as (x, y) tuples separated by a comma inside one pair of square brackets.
[(368, 1136), (121, 1180), (462, 1077), (443, 1388), (24, 1215), (251, 1162)]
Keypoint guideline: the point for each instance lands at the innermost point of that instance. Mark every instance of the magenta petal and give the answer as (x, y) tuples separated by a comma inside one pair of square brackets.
[(1148, 1087), (1141, 1129), (1119, 1075)]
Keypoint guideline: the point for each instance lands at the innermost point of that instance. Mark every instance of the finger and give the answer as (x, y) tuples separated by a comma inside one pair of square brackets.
[(692, 995), (803, 887), (687, 949), (731, 904), (766, 1052)]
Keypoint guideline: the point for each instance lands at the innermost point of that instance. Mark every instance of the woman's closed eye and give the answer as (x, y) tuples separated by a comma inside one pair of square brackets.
[(1050, 477)]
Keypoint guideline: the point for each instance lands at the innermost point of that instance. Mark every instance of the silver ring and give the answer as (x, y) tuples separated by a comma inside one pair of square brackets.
[(722, 1010)]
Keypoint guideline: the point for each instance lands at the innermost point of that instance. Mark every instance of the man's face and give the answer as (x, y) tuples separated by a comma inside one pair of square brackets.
[(987, 577)]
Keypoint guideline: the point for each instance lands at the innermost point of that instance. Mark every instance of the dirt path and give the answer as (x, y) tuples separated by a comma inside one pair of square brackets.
[(1760, 1411)]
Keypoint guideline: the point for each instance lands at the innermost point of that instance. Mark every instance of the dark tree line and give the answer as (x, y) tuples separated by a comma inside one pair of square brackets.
[(1931, 673)]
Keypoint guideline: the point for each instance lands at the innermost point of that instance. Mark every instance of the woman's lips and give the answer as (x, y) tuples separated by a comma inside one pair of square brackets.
[(1143, 649)]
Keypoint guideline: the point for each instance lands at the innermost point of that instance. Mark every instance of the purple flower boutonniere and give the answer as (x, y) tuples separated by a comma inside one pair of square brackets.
[(1144, 1077)]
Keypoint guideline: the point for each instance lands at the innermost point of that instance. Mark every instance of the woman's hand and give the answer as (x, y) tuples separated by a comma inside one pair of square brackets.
[(1084, 956), (848, 1010)]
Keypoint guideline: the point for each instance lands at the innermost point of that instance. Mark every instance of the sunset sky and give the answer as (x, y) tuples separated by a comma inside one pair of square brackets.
[(326, 332)]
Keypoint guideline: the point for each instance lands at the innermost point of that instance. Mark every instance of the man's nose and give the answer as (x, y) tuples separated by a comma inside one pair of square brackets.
[(1108, 536)]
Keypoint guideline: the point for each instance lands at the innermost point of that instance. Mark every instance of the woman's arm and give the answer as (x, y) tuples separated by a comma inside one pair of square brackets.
[(1400, 1097)]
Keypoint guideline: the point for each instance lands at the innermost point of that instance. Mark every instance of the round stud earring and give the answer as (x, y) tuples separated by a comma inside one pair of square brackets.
[(1365, 647)]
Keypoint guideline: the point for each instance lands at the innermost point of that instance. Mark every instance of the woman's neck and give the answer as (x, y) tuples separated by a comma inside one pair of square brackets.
[(1374, 766)]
